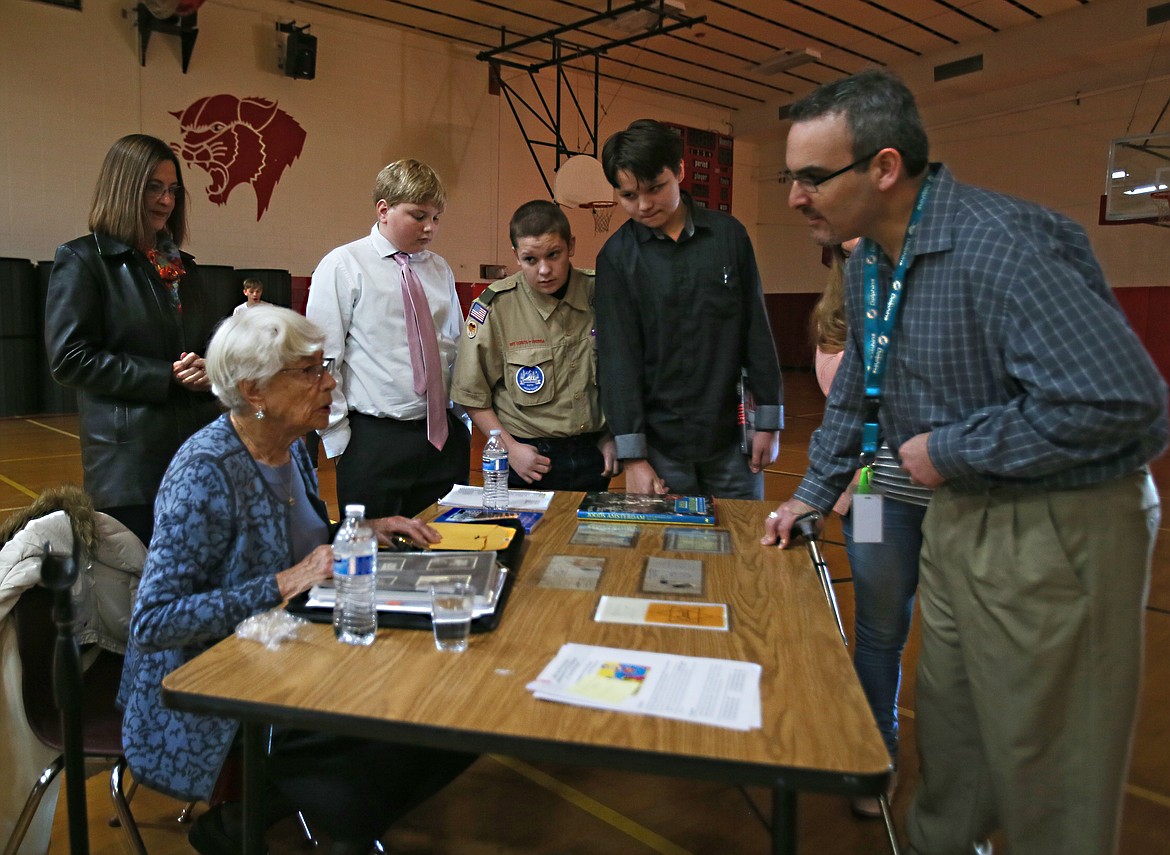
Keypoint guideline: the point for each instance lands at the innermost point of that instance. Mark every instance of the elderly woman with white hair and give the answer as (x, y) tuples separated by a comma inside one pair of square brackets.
[(239, 528)]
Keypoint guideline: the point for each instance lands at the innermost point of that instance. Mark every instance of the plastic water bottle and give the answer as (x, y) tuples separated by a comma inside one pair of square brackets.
[(355, 564), (495, 474)]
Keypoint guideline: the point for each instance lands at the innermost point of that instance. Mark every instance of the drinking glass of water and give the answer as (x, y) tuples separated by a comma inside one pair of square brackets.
[(451, 604)]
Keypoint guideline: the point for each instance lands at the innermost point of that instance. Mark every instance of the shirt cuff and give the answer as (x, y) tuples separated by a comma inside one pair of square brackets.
[(770, 417), (631, 446), (819, 496), (336, 438), (943, 446)]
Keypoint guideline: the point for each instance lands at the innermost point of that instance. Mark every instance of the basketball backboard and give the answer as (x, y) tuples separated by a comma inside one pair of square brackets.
[(1137, 180)]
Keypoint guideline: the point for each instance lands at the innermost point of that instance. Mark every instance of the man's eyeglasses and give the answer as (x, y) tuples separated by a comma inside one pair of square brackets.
[(313, 373), (156, 190), (811, 184)]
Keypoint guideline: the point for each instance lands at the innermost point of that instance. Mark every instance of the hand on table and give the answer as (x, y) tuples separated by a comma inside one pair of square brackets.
[(316, 567), (418, 531)]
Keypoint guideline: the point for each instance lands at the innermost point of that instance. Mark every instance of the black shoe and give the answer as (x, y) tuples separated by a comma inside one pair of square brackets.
[(218, 831)]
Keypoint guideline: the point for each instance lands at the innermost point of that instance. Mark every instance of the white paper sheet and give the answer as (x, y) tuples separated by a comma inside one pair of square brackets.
[(463, 496), (719, 692)]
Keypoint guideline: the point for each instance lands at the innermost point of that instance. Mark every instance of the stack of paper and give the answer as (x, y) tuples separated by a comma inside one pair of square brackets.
[(463, 496), (721, 692)]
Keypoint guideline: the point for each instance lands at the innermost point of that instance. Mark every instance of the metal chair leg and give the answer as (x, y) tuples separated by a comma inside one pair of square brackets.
[(32, 803), (122, 807), (185, 816), (310, 842), (888, 819)]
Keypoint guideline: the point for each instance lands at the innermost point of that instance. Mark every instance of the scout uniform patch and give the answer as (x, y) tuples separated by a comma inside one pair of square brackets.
[(530, 379)]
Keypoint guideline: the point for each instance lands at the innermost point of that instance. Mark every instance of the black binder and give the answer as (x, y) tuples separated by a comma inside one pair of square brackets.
[(509, 558)]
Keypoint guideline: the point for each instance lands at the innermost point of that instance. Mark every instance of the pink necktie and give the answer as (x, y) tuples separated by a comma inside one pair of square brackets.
[(424, 352)]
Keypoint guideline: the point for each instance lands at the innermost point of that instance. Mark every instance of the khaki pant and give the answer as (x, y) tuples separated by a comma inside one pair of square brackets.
[(1032, 623)]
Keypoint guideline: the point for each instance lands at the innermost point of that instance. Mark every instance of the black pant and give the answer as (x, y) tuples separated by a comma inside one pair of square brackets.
[(391, 468), (576, 463), (354, 789), (138, 518)]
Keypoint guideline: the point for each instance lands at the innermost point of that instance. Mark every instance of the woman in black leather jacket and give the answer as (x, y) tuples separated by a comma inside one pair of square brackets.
[(125, 324)]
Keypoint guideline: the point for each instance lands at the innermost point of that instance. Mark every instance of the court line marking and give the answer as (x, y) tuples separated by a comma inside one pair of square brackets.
[(50, 427), (624, 824), (19, 487)]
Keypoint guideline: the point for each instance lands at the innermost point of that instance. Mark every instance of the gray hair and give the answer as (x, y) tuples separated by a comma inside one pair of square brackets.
[(256, 345)]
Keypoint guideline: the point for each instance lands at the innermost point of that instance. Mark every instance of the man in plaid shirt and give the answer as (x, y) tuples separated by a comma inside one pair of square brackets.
[(1012, 385)]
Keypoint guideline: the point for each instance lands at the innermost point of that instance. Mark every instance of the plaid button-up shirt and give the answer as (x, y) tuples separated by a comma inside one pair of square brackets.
[(1009, 348)]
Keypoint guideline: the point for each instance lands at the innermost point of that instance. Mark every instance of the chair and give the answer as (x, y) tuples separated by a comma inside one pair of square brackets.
[(100, 732)]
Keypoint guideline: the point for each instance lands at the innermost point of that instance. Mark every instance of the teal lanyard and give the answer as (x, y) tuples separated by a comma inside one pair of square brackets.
[(879, 327)]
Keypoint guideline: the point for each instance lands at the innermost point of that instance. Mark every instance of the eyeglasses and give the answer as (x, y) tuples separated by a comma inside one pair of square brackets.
[(812, 185), (313, 373), (156, 190)]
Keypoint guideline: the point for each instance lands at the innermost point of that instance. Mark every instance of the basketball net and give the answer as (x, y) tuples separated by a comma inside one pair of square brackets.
[(601, 212), (1162, 203)]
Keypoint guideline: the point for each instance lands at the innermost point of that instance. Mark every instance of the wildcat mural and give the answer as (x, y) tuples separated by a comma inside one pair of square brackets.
[(239, 141)]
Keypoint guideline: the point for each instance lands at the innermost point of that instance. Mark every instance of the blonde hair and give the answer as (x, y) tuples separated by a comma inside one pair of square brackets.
[(827, 322), (119, 199), (409, 181)]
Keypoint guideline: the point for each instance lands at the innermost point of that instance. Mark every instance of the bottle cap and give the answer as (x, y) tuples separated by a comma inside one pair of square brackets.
[(355, 510)]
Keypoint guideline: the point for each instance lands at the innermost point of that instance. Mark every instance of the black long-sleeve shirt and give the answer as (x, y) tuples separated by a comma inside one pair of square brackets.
[(676, 321)]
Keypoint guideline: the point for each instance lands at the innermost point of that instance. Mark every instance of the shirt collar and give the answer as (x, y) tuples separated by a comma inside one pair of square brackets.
[(385, 249), (697, 218), (576, 296), (936, 229)]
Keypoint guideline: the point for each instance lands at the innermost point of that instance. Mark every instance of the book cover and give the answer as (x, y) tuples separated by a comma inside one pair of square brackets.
[(668, 508), (528, 519)]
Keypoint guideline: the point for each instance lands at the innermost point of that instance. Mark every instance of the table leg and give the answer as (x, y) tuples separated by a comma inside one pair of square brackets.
[(783, 821), (253, 749)]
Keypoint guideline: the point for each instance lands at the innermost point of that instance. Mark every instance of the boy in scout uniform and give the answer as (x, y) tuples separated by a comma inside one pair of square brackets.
[(527, 364)]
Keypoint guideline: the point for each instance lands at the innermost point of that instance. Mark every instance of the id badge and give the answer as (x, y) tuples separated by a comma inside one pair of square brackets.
[(867, 517)]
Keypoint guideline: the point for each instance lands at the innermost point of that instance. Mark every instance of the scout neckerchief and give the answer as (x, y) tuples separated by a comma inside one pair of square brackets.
[(878, 329)]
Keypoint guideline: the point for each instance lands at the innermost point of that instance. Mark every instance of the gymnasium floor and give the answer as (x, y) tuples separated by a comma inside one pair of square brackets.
[(505, 807)]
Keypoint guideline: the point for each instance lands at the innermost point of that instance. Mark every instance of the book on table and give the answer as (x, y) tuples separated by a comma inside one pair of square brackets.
[(528, 519), (668, 508), (404, 580)]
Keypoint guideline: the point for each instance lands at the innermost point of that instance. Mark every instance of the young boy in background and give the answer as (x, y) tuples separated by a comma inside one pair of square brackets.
[(527, 361), (253, 291)]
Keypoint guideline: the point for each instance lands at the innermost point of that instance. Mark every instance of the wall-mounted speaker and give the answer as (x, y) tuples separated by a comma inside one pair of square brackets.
[(300, 55)]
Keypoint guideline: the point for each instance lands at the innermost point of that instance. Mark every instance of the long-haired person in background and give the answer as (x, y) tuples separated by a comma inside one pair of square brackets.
[(125, 324), (885, 575)]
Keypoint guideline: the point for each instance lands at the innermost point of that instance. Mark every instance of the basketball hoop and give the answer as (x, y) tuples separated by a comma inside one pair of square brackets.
[(1161, 201), (601, 212), (581, 183)]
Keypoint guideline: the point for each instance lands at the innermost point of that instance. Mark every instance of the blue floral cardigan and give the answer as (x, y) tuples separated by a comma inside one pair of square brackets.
[(220, 537)]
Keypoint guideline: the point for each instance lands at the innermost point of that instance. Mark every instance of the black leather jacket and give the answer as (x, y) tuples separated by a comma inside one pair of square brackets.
[(112, 333)]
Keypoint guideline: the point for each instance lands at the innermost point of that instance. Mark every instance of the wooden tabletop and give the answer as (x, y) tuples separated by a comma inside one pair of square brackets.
[(817, 730)]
